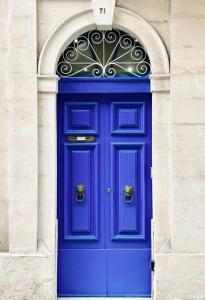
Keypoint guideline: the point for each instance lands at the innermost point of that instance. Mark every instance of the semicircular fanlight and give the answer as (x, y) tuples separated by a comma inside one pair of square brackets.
[(102, 53)]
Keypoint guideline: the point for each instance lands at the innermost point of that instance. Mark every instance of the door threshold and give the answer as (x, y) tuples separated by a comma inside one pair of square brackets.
[(102, 298)]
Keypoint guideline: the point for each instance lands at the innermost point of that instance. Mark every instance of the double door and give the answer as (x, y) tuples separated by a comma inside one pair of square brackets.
[(104, 194)]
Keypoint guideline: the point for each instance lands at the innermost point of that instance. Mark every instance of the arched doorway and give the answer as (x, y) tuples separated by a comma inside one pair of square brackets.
[(104, 160), (48, 88)]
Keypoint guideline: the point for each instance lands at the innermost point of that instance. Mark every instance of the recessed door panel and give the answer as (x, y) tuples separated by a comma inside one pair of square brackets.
[(81, 117), (129, 272), (82, 272), (81, 208), (128, 118), (128, 197)]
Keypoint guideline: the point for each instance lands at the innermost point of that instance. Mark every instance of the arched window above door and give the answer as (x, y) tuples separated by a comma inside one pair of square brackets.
[(101, 53)]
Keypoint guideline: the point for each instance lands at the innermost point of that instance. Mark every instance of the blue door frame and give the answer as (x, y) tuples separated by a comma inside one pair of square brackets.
[(104, 240)]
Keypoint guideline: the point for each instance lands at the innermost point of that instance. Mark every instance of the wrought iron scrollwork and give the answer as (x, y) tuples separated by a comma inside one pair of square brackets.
[(101, 53)]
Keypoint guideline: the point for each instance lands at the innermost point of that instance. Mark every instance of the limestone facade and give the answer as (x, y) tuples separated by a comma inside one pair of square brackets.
[(28, 225)]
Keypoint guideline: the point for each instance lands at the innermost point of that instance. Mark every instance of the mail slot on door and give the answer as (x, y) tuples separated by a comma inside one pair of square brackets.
[(81, 139)]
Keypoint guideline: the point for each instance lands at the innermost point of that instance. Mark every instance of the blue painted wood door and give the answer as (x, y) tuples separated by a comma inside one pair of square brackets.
[(104, 240)]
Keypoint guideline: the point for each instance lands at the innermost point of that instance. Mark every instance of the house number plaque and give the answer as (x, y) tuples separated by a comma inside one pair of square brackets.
[(103, 13), (102, 10)]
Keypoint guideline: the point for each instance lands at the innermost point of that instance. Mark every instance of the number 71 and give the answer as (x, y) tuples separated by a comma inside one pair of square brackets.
[(102, 10)]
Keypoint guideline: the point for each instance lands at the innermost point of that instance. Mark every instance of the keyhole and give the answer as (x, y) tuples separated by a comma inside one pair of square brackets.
[(109, 190)]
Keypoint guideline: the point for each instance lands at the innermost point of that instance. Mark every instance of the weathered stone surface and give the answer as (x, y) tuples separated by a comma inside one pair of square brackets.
[(161, 213), (27, 277), (152, 10), (188, 8), (179, 277), (188, 231), (4, 124), (23, 166), (188, 150), (47, 169), (157, 12), (186, 32), (188, 111), (52, 13), (187, 86)]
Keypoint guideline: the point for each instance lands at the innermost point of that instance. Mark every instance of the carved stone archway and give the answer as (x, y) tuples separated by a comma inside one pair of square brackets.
[(68, 30), (84, 21)]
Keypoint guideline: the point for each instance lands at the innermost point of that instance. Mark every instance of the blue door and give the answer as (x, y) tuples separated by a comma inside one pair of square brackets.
[(104, 187)]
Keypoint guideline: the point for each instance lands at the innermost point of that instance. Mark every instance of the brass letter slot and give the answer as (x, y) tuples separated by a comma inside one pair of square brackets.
[(81, 139)]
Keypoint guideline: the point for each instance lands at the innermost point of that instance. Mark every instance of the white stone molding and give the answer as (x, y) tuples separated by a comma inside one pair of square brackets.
[(103, 12), (84, 20), (47, 83), (160, 83), (61, 37)]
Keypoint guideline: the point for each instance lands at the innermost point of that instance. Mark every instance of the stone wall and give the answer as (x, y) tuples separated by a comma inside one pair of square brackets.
[(4, 124), (180, 274)]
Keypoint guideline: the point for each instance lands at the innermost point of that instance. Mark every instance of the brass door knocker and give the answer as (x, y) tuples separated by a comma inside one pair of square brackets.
[(128, 193), (80, 192)]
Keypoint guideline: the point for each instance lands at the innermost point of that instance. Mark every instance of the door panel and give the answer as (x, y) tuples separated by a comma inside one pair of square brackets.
[(128, 118), (81, 215), (128, 215), (105, 238), (82, 272), (129, 272), (81, 117)]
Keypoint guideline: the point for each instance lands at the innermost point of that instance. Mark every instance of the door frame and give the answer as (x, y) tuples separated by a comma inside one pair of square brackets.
[(161, 123)]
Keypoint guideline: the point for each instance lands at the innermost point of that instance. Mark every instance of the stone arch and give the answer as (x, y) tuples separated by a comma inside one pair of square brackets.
[(84, 21), (68, 30)]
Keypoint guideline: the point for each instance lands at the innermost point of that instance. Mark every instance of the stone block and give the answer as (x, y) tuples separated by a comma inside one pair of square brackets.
[(161, 107), (4, 158), (22, 33), (179, 277), (188, 86), (4, 126), (161, 213), (4, 213), (27, 277), (23, 127), (52, 13), (157, 10), (188, 155), (23, 214), (47, 211), (47, 162), (23, 8), (47, 138), (161, 149), (188, 59), (186, 32), (21, 63), (47, 109), (188, 8), (4, 8), (188, 111), (188, 230), (28, 84)]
